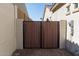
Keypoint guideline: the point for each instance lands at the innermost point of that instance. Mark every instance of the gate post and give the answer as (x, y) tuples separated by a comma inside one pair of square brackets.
[(63, 32)]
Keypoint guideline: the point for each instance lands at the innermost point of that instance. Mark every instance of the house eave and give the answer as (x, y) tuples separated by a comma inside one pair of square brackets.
[(56, 6)]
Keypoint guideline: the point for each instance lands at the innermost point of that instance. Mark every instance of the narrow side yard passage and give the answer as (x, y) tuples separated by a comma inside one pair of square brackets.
[(42, 52)]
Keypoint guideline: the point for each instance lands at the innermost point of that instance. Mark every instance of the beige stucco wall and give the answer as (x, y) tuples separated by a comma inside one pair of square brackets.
[(7, 29), (11, 29)]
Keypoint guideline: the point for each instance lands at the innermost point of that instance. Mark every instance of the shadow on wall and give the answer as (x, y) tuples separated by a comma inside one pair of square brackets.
[(72, 47)]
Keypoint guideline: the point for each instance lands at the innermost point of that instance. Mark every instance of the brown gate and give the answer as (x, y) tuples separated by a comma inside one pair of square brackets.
[(39, 34), (50, 34)]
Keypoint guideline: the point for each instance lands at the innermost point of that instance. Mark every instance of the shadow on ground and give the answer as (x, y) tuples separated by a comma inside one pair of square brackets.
[(72, 47), (42, 52)]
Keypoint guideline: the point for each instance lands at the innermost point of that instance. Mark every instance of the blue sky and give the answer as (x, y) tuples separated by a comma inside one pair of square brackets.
[(35, 10)]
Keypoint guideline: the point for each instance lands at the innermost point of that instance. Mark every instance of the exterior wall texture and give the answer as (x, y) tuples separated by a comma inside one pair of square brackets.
[(72, 42), (10, 29), (7, 29)]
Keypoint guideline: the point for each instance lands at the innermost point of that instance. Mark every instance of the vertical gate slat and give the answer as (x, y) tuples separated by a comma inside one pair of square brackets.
[(50, 34), (32, 34)]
